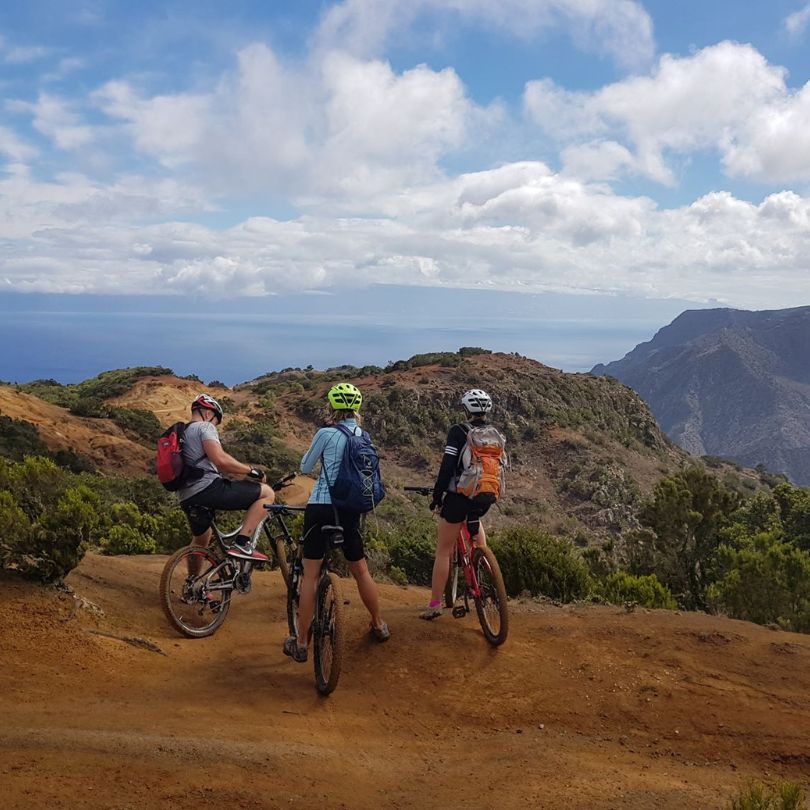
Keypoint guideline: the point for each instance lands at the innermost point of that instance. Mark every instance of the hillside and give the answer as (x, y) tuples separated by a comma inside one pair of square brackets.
[(730, 383), (584, 708), (584, 450)]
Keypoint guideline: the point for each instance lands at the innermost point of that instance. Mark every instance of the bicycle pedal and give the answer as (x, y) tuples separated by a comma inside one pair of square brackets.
[(459, 612)]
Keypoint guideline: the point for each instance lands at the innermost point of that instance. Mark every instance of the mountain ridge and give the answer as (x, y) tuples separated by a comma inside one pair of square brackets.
[(730, 383)]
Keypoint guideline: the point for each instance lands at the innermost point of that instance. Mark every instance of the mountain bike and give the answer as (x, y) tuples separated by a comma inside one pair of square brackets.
[(197, 582), (482, 582), (327, 628)]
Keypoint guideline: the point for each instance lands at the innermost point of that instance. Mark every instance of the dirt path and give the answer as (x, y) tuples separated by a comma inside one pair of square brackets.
[(582, 708)]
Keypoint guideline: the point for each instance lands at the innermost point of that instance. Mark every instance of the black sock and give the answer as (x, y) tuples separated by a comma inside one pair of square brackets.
[(243, 540)]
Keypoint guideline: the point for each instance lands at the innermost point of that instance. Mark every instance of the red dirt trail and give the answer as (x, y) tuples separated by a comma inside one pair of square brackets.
[(582, 708)]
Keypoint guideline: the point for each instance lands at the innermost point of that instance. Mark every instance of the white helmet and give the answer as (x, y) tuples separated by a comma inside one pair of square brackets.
[(477, 401)]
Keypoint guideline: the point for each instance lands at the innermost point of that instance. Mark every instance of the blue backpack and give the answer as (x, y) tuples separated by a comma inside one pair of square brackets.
[(358, 486)]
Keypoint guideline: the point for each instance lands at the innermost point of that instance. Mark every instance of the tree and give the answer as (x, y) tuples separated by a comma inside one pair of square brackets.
[(685, 516)]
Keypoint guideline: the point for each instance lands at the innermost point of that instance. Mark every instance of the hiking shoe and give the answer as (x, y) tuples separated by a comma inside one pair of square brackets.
[(380, 633), (430, 613), (246, 553), (291, 648)]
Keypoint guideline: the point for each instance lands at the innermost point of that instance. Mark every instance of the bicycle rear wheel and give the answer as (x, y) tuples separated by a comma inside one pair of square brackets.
[(195, 591), (491, 604), (328, 634)]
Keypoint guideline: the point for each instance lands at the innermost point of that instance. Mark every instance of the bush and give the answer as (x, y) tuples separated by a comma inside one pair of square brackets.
[(782, 796), (534, 561), (124, 539), (621, 588), (412, 547)]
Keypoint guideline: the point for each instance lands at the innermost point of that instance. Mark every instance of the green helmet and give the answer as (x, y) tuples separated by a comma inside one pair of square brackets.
[(345, 397)]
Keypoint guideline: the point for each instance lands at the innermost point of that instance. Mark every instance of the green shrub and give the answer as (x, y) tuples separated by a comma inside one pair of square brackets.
[(412, 546), (782, 796), (143, 425), (620, 588), (124, 539), (534, 561)]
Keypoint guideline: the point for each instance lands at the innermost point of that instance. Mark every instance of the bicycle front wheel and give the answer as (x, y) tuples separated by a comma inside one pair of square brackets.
[(328, 634), (195, 591), (491, 603), (285, 554)]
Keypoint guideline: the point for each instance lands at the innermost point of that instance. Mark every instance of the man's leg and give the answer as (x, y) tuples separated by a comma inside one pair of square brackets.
[(256, 510)]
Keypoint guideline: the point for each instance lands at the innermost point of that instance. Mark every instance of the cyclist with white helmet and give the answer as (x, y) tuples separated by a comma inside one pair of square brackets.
[(207, 490), (454, 508), (327, 448)]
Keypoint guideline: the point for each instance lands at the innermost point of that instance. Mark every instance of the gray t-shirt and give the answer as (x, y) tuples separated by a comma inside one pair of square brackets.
[(194, 456)]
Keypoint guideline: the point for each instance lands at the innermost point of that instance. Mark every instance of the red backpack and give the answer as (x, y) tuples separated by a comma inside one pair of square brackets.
[(172, 470)]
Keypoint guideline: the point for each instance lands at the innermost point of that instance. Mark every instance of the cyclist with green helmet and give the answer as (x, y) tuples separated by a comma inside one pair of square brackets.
[(327, 448)]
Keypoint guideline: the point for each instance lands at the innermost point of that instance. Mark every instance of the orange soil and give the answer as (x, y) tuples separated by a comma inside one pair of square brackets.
[(583, 707), (100, 440)]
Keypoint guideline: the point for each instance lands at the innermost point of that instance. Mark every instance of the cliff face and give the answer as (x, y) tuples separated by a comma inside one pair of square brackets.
[(730, 383)]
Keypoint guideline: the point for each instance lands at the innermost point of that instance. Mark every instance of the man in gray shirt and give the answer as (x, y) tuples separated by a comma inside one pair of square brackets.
[(207, 490)]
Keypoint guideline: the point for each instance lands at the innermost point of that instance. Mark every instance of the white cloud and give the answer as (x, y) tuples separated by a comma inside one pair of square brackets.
[(725, 98), (796, 23), (520, 226), (13, 147), (339, 128), (619, 29)]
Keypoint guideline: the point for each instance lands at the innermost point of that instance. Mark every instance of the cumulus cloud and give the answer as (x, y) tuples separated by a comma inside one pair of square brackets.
[(796, 23), (619, 29), (725, 98), (521, 226), (56, 118), (341, 127)]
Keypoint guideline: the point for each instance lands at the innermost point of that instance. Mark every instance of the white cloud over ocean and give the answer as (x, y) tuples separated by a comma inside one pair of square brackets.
[(403, 174)]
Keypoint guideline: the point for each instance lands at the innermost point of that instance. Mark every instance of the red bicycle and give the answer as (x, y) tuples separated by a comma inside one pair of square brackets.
[(482, 582)]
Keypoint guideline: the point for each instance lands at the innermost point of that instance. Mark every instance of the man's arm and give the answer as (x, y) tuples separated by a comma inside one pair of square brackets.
[(223, 461)]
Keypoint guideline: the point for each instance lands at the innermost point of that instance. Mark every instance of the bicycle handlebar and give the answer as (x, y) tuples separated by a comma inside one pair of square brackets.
[(419, 490), (283, 482), (283, 509)]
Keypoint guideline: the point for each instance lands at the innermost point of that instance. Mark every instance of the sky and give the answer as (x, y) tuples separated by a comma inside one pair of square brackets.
[(597, 149)]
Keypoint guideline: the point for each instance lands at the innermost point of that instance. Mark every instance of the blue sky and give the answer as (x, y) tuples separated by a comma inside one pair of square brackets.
[(647, 151)]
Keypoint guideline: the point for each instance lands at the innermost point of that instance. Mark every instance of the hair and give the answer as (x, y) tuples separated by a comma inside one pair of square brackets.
[(332, 416)]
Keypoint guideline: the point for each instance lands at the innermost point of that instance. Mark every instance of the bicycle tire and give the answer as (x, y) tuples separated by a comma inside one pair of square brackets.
[(492, 593), (180, 599), (292, 608), (328, 636), (285, 554), (451, 586)]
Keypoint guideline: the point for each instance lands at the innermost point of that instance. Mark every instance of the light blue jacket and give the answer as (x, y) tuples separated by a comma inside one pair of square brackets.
[(327, 447)]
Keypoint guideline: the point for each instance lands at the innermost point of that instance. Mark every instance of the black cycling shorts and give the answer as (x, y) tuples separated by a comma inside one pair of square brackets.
[(316, 543), (458, 508), (221, 494)]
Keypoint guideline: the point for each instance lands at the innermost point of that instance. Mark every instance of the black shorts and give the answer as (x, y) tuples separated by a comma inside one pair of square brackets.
[(316, 543), (221, 494), (458, 508)]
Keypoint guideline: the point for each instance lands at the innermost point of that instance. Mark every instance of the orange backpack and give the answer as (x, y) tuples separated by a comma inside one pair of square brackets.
[(483, 462)]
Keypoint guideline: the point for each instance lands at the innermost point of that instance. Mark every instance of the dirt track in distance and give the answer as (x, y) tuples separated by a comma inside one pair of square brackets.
[(584, 707)]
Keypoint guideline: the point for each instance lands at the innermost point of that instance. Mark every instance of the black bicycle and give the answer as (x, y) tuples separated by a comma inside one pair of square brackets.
[(327, 630), (197, 582)]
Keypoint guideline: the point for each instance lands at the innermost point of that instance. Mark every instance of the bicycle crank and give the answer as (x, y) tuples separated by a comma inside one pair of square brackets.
[(459, 611)]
